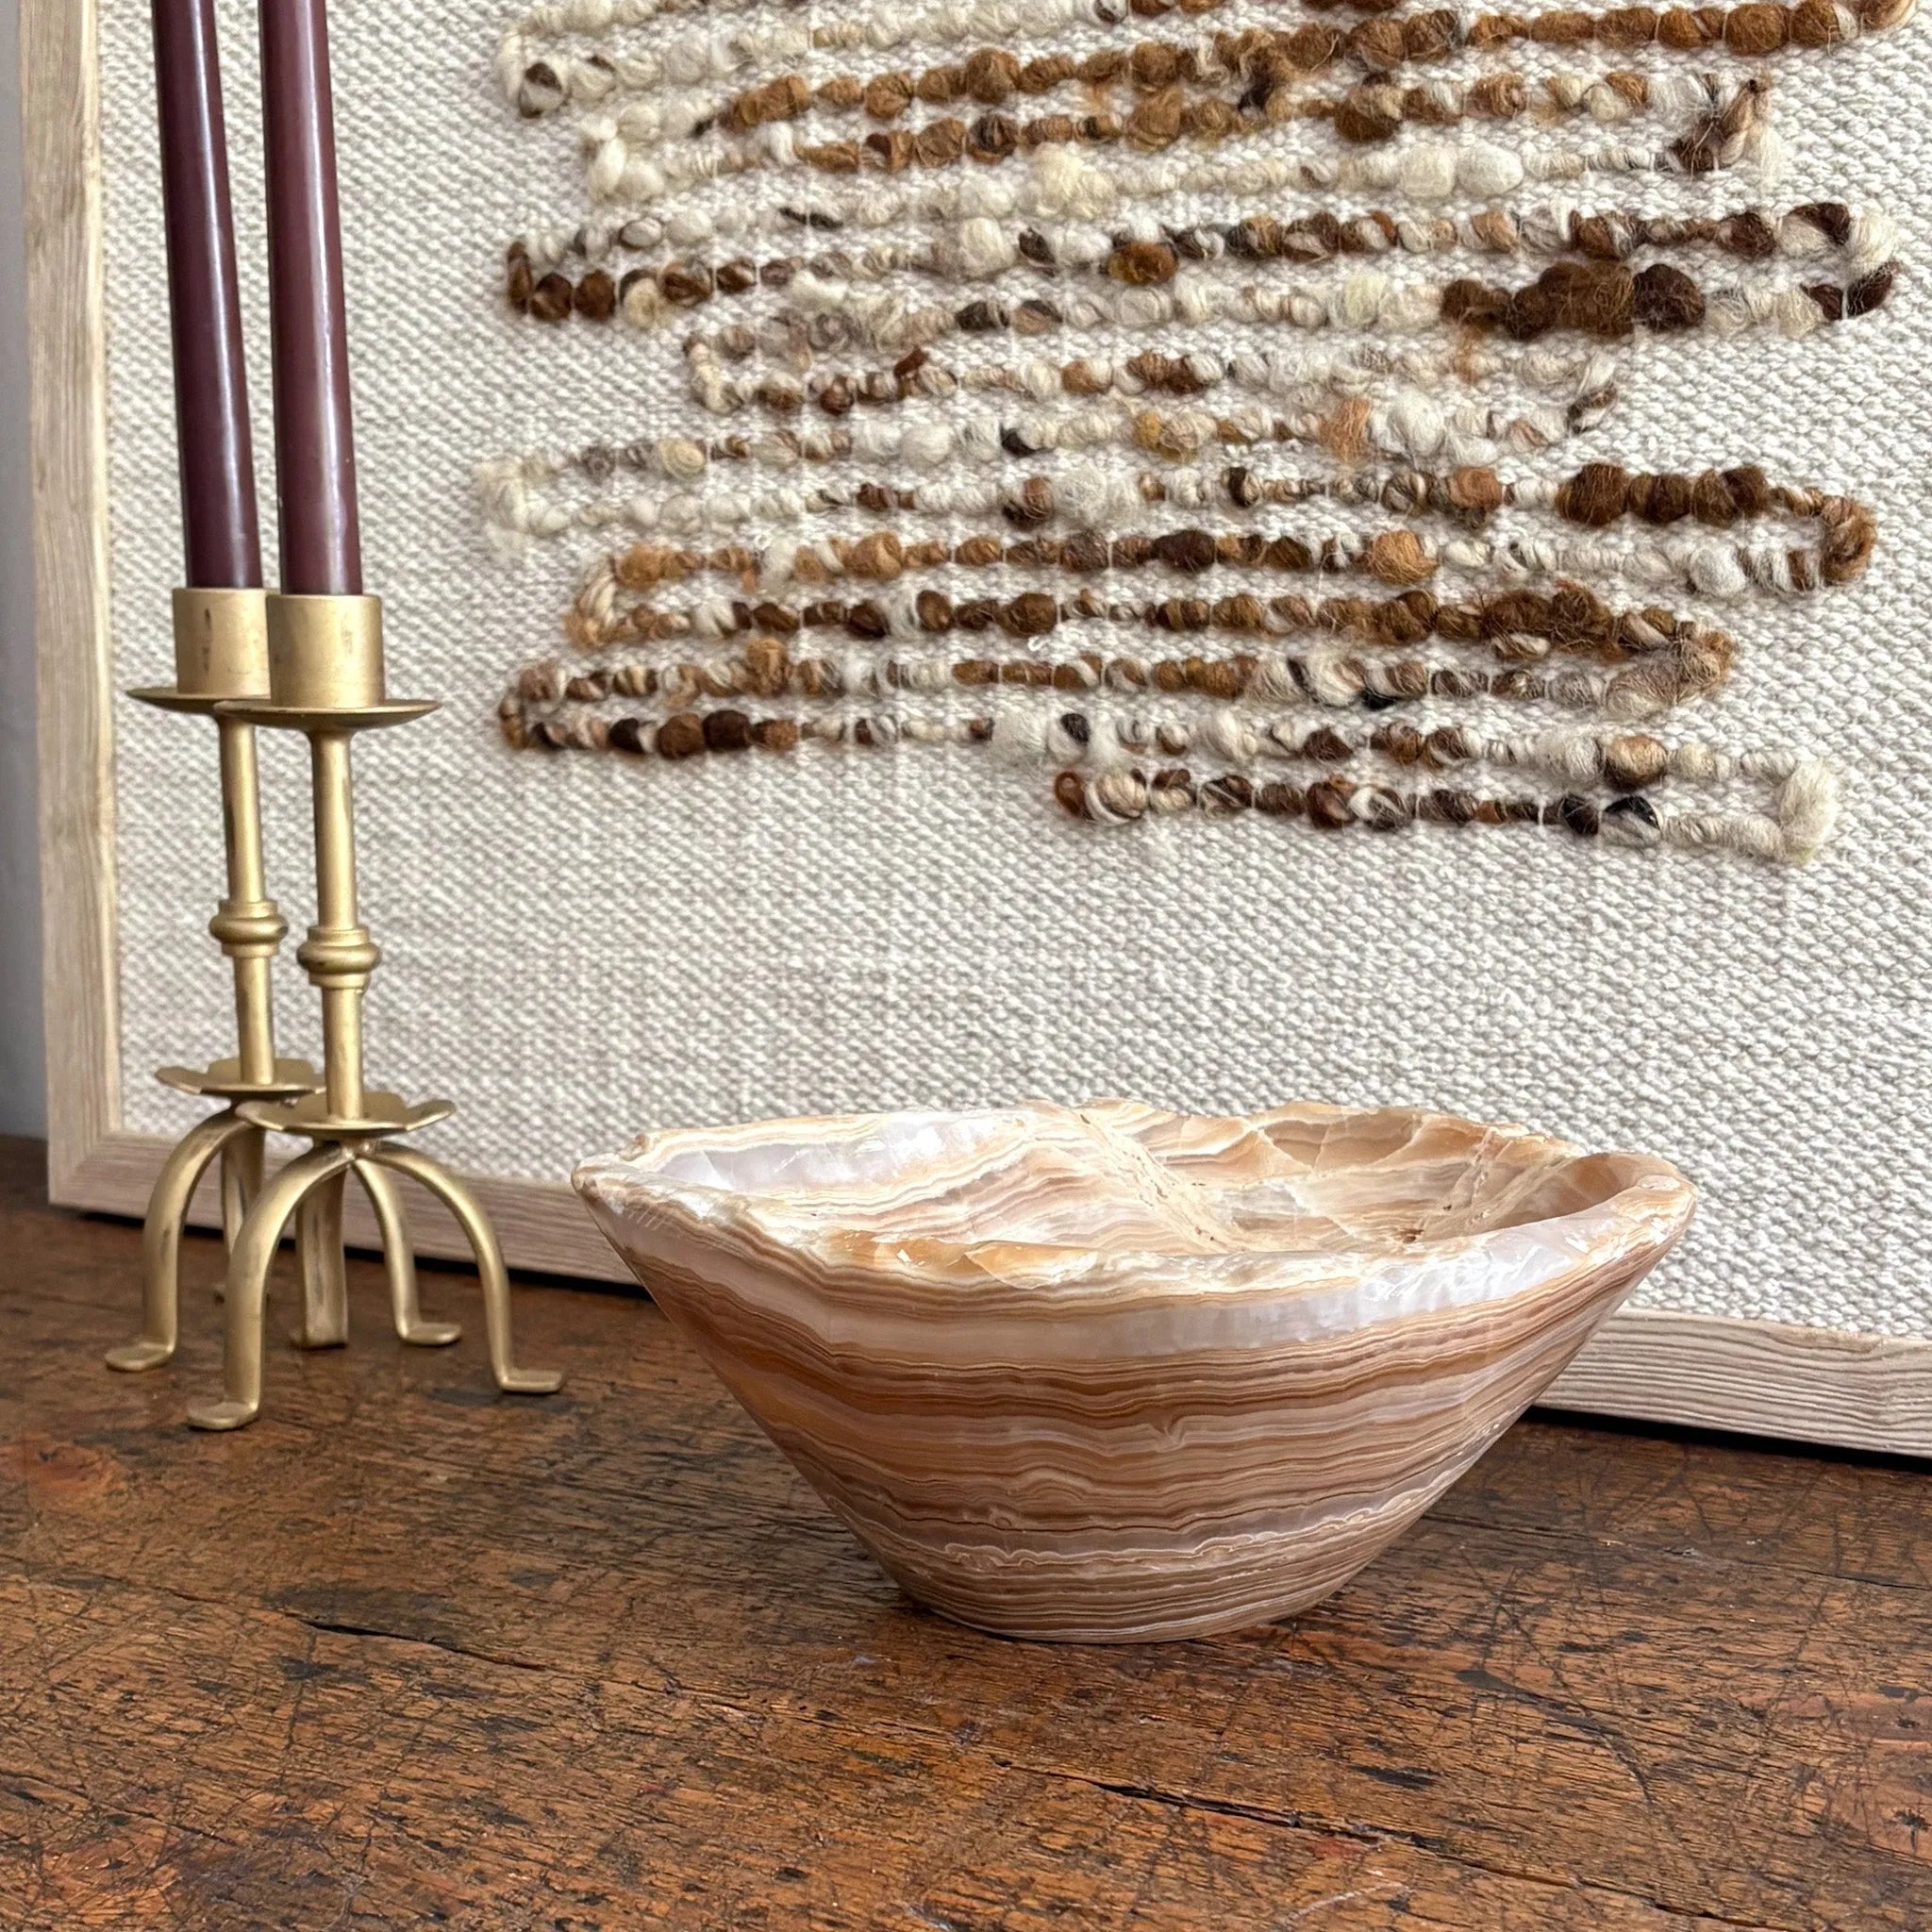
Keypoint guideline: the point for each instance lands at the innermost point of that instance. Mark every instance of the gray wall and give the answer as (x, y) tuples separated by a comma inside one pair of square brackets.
[(22, 1100)]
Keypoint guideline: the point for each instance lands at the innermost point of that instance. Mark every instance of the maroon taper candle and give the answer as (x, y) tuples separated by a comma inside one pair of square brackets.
[(315, 440), (216, 450)]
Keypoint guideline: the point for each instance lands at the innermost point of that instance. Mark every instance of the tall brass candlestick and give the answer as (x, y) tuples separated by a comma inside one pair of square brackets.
[(221, 654), (326, 680)]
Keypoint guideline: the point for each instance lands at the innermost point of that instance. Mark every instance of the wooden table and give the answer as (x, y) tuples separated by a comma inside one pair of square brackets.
[(407, 1653)]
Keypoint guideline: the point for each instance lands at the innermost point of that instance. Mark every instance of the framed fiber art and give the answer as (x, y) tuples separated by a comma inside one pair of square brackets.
[(1219, 551)]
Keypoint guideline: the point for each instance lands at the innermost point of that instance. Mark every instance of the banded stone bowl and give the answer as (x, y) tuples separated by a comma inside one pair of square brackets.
[(1107, 1373)]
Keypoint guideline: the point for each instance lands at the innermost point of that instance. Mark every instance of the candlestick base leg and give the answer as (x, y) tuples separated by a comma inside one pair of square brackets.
[(323, 1267), (160, 1242), (243, 1156), (399, 1258), (139, 1358), (309, 1191), (247, 1286), (242, 1169), (474, 1223)]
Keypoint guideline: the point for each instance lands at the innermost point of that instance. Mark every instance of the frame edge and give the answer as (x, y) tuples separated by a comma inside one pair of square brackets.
[(60, 108)]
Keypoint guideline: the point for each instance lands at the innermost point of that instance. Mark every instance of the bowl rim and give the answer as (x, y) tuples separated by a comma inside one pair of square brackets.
[(1653, 1203)]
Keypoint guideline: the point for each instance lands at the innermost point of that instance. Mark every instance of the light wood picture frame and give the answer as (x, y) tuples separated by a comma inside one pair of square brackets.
[(1815, 1384)]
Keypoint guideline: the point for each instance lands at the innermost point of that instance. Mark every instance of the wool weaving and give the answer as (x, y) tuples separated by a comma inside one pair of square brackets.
[(1035, 360)]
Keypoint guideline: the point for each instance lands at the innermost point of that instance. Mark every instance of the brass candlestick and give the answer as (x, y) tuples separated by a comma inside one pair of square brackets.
[(220, 652), (221, 655), (326, 681)]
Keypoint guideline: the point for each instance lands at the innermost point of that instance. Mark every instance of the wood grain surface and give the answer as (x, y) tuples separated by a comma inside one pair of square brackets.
[(407, 1653)]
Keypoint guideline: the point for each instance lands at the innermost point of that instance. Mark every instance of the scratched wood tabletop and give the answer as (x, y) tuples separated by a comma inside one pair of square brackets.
[(407, 1653)]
